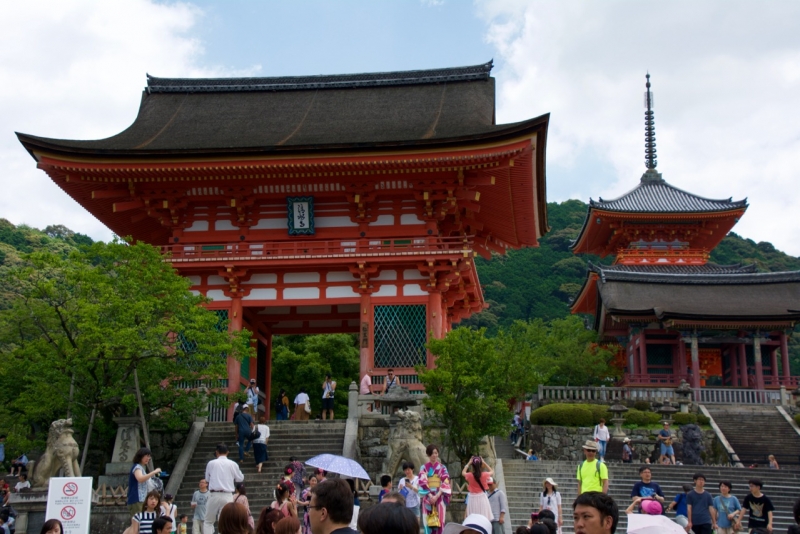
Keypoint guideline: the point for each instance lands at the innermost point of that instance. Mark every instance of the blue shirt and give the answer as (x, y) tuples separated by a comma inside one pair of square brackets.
[(724, 506), (700, 503), (680, 507), (640, 489)]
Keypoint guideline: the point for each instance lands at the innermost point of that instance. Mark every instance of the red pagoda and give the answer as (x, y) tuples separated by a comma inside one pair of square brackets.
[(661, 293), (320, 204)]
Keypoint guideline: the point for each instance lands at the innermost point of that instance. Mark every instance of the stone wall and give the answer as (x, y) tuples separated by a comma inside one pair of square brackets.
[(565, 443)]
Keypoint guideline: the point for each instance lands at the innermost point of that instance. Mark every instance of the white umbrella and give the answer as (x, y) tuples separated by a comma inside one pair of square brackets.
[(653, 524), (340, 465)]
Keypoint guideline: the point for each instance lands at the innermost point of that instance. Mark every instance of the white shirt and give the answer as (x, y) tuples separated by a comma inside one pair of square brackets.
[(301, 398), (412, 497), (553, 504), (222, 474), (252, 395), (262, 439), (328, 388), (601, 433)]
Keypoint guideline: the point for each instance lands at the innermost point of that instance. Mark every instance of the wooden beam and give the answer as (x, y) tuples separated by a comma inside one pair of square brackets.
[(110, 193), (126, 206)]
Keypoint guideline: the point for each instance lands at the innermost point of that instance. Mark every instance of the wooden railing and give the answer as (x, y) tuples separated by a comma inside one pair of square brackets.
[(605, 394), (737, 396), (650, 378), (778, 381), (316, 248)]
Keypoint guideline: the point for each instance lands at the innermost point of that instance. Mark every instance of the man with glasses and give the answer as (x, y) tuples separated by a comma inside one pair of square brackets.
[(330, 509), (391, 381), (592, 475)]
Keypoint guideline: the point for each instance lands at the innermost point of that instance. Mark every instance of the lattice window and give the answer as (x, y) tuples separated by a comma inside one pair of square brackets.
[(189, 346), (400, 336), (659, 359)]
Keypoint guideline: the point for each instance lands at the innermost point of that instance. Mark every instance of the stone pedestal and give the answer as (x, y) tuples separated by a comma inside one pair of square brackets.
[(31, 507), (125, 446)]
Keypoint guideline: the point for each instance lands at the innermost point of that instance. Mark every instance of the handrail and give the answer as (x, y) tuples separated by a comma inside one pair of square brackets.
[(317, 248)]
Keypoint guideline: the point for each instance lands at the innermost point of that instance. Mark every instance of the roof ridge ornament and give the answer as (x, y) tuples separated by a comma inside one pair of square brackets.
[(650, 176)]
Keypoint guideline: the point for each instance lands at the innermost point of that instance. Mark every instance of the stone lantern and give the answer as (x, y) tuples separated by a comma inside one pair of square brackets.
[(618, 410), (684, 393), (666, 412)]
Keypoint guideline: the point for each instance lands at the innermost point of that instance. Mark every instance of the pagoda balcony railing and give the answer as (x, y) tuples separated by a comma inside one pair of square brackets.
[(778, 381), (654, 379), (301, 248)]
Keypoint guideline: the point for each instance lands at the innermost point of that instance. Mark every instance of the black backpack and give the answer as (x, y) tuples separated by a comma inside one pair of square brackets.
[(279, 404)]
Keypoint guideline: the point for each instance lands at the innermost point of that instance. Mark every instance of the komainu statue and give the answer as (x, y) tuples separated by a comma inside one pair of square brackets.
[(61, 453), (405, 442)]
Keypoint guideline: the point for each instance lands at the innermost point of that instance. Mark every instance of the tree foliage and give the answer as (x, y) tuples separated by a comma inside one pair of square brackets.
[(476, 375), (301, 362), (89, 319)]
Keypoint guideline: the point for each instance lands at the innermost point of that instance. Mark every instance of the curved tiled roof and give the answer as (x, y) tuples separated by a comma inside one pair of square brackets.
[(331, 81), (708, 268), (657, 196)]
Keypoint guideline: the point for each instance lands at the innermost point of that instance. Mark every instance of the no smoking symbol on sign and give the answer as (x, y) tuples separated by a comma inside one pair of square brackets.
[(67, 513), (70, 489)]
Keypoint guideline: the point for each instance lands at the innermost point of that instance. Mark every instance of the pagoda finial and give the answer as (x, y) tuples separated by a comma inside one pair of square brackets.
[(650, 137)]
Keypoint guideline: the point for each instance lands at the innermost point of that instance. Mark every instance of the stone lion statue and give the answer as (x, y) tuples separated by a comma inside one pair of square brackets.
[(405, 442), (61, 453)]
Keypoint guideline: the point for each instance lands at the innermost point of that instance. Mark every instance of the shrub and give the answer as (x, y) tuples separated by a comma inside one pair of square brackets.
[(600, 412), (636, 417), (564, 415), (797, 419), (703, 420), (642, 406), (685, 419)]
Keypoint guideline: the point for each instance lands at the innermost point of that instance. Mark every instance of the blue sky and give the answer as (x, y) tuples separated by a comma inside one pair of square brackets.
[(726, 74)]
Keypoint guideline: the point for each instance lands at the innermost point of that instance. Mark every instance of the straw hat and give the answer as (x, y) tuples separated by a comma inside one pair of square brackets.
[(475, 522), (590, 445)]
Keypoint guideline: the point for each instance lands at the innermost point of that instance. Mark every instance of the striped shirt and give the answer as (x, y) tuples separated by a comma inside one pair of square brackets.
[(145, 520)]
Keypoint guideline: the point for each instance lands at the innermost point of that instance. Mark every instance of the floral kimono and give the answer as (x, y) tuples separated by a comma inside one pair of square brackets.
[(433, 480)]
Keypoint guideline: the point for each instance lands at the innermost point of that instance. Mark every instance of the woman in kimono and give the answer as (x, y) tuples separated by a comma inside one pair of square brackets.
[(434, 485)]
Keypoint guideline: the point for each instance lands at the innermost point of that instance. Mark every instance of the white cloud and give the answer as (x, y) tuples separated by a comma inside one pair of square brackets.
[(72, 70), (726, 77)]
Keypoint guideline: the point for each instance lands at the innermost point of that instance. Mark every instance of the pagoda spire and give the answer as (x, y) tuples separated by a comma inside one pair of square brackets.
[(650, 137)]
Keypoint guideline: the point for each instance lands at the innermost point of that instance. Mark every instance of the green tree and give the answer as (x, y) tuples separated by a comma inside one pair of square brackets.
[(474, 379), (91, 319), (301, 362)]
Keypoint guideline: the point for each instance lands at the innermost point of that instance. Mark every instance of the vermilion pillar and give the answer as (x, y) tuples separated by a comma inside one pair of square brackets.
[(268, 377), (234, 366), (366, 333), (785, 355), (682, 355), (642, 354), (743, 365), (773, 363), (435, 322), (733, 359)]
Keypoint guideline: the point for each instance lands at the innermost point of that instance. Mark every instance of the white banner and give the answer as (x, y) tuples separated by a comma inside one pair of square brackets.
[(301, 215), (70, 501)]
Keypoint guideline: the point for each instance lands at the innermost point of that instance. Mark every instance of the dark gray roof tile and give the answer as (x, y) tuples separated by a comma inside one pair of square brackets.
[(660, 197)]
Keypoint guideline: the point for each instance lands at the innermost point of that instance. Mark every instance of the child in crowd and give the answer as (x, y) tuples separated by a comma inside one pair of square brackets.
[(183, 527), (409, 488), (386, 487)]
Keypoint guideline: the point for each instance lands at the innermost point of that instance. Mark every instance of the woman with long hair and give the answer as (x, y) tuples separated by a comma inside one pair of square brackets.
[(305, 501), (267, 520), (284, 500), (167, 508), (260, 454), (137, 480), (550, 499), (233, 519), (142, 522), (240, 497), (435, 490), (287, 525), (52, 526), (477, 483)]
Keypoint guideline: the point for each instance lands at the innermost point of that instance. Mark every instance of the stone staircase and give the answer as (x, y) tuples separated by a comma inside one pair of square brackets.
[(523, 484), (302, 439), (755, 432)]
